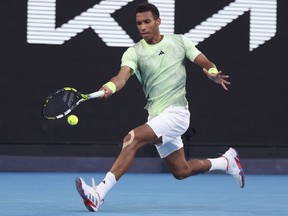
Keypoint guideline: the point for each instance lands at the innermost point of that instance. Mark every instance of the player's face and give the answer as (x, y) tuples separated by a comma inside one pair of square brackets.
[(148, 26)]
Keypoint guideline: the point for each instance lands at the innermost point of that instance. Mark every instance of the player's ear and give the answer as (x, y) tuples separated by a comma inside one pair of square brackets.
[(158, 21)]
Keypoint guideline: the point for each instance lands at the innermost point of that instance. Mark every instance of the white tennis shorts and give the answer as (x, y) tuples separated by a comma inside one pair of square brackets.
[(170, 125)]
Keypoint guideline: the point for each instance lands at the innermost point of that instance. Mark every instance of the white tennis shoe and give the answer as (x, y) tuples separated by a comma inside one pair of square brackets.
[(89, 194), (234, 167)]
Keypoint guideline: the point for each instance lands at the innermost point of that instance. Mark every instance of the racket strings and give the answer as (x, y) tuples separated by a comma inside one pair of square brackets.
[(59, 103)]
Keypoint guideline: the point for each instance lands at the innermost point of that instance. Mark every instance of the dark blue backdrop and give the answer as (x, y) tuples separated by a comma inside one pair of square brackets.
[(252, 112)]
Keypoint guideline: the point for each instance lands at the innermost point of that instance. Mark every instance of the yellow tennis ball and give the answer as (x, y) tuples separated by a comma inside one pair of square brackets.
[(72, 119), (213, 71)]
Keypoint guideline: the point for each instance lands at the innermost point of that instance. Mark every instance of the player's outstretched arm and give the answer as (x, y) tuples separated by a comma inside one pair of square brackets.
[(118, 82)]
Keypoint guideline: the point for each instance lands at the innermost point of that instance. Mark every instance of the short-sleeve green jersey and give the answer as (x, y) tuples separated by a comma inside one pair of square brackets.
[(160, 68)]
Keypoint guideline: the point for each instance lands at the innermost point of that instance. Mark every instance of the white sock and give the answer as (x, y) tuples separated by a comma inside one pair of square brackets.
[(218, 164), (108, 182)]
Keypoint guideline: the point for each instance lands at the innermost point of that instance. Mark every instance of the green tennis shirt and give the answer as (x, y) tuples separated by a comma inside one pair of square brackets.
[(160, 68)]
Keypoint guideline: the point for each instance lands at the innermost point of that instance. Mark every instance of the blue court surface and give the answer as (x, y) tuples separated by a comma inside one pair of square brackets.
[(145, 194)]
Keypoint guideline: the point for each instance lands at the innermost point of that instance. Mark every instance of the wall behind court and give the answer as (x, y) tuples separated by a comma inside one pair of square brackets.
[(252, 112)]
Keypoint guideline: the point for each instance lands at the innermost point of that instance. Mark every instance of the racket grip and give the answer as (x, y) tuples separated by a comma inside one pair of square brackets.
[(96, 94)]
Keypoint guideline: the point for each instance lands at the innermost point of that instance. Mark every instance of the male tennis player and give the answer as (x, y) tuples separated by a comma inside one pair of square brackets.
[(158, 62)]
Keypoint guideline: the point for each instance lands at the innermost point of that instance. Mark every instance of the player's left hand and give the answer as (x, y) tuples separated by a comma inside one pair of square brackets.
[(218, 78)]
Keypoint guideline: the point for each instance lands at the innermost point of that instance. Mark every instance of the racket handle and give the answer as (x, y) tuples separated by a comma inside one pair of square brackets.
[(96, 94)]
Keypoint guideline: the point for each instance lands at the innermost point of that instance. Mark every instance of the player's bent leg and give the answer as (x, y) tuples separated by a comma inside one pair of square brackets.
[(229, 162), (134, 140), (181, 168), (93, 196)]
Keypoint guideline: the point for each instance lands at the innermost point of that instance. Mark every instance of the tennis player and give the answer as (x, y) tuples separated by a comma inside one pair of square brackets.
[(158, 62)]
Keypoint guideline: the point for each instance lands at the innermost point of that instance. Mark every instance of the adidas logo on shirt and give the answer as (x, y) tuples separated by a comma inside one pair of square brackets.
[(161, 53)]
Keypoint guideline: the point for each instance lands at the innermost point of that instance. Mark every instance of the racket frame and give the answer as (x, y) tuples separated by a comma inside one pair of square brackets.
[(84, 97)]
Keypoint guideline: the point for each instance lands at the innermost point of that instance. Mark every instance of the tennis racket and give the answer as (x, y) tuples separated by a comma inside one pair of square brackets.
[(63, 101)]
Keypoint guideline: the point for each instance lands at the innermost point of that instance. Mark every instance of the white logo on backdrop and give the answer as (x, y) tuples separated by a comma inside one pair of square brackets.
[(41, 22)]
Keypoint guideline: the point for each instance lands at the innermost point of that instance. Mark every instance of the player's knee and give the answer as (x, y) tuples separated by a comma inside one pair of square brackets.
[(180, 174), (128, 139)]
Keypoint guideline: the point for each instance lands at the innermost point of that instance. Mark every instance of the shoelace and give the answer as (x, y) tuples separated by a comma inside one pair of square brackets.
[(95, 189), (93, 183)]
